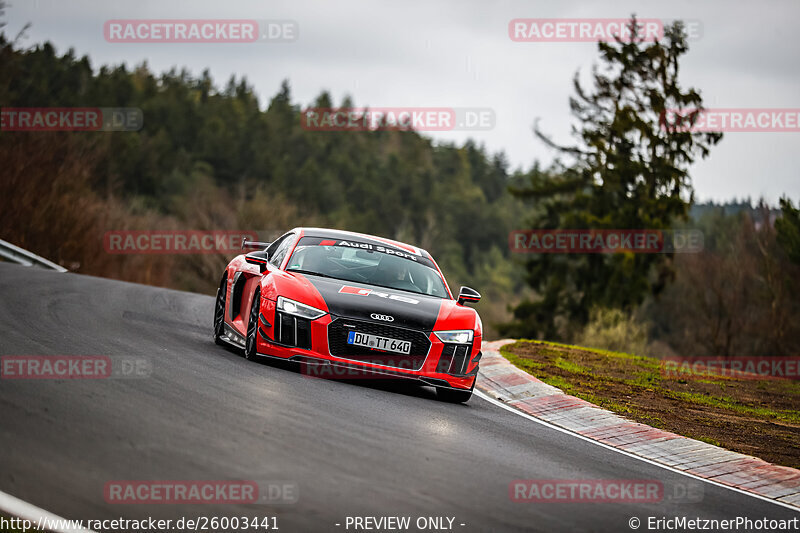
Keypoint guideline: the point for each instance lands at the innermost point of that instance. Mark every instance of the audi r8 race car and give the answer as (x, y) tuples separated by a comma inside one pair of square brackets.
[(351, 301)]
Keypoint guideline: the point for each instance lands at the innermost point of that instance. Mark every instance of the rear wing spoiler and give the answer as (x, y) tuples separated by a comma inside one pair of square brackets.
[(254, 244)]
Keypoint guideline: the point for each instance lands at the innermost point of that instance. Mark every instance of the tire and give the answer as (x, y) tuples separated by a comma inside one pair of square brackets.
[(219, 311), (453, 395), (250, 351)]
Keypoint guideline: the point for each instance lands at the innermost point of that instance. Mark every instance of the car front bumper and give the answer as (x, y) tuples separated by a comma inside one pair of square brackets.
[(441, 365)]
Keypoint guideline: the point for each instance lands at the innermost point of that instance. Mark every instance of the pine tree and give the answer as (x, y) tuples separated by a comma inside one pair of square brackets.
[(628, 170)]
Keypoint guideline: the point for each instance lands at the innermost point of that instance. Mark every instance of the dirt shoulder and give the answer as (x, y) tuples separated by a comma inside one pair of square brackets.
[(755, 417)]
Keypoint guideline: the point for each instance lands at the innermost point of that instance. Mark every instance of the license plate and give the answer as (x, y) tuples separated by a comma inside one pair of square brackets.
[(378, 343)]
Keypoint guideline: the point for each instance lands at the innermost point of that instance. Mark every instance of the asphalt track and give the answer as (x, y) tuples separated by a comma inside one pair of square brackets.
[(356, 448)]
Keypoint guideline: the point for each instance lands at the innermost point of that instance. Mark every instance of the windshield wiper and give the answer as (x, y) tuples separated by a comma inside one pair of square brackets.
[(301, 271)]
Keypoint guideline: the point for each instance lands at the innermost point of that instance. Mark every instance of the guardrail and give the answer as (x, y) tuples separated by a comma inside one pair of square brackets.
[(24, 257)]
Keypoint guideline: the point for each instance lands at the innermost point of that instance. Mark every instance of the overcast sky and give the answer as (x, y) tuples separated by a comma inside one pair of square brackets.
[(458, 54)]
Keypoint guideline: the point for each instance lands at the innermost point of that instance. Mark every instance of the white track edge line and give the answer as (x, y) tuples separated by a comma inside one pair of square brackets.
[(523, 414), (27, 511)]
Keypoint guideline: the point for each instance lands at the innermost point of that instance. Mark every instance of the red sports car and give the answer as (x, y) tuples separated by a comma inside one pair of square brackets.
[(354, 302)]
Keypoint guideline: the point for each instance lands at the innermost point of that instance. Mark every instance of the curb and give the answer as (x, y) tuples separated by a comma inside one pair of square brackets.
[(502, 380)]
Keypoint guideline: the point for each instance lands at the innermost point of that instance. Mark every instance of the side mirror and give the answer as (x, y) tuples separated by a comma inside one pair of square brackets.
[(467, 295), (259, 258)]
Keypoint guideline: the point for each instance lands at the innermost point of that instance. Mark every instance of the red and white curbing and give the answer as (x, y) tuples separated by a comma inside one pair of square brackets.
[(502, 380)]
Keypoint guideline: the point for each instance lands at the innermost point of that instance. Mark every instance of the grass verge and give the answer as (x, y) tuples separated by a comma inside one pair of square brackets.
[(756, 417)]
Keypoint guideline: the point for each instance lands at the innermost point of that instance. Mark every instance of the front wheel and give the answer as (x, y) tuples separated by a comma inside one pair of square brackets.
[(250, 352), (219, 311), (454, 395)]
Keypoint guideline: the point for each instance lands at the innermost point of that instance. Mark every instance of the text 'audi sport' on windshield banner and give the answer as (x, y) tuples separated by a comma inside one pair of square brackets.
[(71, 119), (396, 249), (175, 241), (398, 118), (200, 31), (597, 241)]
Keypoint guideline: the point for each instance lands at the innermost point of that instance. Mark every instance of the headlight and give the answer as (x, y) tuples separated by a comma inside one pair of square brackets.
[(291, 307), (460, 336)]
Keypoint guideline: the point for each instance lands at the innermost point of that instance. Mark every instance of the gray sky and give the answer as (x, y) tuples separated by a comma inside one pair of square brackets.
[(459, 54)]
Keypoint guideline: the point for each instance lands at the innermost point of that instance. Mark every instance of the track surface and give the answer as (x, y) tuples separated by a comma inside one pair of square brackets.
[(353, 448)]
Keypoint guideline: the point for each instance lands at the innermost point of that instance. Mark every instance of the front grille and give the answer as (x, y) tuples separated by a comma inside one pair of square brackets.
[(454, 359), (292, 331), (337, 341)]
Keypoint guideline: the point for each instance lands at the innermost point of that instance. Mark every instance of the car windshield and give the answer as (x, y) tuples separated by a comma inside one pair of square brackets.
[(373, 264)]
